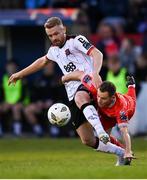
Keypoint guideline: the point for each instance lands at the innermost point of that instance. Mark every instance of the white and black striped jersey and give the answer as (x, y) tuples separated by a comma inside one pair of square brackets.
[(73, 55)]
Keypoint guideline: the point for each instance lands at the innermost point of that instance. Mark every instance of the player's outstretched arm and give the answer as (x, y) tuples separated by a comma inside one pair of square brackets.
[(97, 57), (34, 67), (131, 87), (130, 81), (73, 76), (127, 140)]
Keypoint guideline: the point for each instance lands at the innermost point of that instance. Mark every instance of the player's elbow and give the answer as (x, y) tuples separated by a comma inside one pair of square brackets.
[(96, 52), (100, 53), (43, 61)]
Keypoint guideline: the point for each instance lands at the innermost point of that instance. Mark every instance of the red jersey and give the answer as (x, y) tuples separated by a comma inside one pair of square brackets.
[(122, 110)]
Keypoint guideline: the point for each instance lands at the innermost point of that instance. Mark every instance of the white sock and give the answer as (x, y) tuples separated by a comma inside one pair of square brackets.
[(17, 128), (110, 148), (93, 118)]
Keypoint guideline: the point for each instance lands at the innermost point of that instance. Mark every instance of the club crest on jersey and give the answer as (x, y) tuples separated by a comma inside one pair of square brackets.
[(67, 52), (123, 116)]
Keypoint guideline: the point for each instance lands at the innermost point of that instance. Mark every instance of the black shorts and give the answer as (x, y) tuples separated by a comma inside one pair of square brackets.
[(77, 116)]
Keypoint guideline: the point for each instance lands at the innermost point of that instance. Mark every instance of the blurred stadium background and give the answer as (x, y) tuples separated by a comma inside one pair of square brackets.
[(117, 28)]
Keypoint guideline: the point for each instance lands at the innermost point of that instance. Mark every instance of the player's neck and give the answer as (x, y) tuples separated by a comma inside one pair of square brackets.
[(65, 38)]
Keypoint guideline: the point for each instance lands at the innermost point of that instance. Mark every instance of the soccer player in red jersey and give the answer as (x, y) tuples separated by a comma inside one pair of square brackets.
[(114, 108)]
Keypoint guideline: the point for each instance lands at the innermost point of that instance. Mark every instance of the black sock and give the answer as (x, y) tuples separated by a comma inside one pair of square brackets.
[(96, 143), (85, 105)]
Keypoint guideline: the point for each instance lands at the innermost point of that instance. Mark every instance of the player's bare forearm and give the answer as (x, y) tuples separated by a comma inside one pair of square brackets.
[(97, 57), (34, 67), (73, 76), (127, 140)]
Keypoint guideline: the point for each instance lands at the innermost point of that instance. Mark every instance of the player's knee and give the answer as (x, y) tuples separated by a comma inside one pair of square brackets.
[(77, 100), (81, 98)]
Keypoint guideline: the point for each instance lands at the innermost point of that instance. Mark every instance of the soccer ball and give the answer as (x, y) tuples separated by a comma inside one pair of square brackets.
[(59, 114)]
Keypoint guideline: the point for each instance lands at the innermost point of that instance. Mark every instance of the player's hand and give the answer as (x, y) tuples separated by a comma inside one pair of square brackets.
[(63, 79), (96, 79), (128, 158), (130, 81), (128, 155), (14, 78), (104, 137), (73, 76)]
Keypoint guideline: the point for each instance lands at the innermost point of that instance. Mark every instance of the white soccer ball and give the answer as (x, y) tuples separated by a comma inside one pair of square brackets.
[(59, 114)]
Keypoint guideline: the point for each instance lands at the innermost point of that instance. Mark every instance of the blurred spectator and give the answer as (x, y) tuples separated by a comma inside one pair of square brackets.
[(44, 91), (41, 95), (142, 27), (128, 54), (141, 70), (114, 8), (117, 23), (11, 4), (137, 14), (117, 74), (141, 67), (108, 43), (81, 24), (13, 96), (115, 13), (142, 110), (92, 9), (144, 46)]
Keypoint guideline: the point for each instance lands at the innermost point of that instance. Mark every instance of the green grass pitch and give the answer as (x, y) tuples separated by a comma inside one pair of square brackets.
[(65, 158)]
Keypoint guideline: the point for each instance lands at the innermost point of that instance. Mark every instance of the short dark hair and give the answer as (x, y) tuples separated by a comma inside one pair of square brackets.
[(53, 21), (109, 87)]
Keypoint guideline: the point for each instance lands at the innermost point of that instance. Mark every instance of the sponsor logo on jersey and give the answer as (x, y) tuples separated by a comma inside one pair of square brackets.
[(123, 116), (67, 52), (70, 67), (85, 43)]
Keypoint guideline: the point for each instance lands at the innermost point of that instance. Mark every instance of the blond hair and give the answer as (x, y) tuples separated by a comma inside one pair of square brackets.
[(53, 21)]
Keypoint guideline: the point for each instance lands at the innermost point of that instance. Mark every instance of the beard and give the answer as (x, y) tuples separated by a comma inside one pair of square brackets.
[(57, 43)]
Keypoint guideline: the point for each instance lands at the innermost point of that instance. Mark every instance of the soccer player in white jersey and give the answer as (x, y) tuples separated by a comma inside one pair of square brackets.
[(75, 53)]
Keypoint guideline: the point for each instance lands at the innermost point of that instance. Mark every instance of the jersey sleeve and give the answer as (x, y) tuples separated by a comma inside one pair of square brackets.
[(82, 44), (49, 55), (87, 82), (131, 92), (122, 119)]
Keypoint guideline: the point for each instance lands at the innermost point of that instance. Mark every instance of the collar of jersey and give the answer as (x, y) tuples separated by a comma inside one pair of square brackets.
[(63, 43), (67, 38)]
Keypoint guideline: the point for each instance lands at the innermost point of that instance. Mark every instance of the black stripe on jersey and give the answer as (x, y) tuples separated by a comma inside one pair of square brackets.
[(67, 38), (70, 37)]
